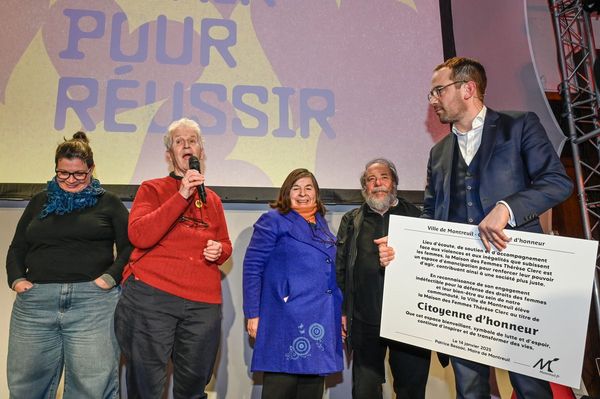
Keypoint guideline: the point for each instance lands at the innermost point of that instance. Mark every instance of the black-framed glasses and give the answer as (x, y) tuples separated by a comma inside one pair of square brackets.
[(64, 175), (322, 236), (436, 92), (193, 222)]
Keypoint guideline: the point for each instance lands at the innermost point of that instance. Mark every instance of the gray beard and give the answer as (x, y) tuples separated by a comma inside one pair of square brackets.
[(381, 205)]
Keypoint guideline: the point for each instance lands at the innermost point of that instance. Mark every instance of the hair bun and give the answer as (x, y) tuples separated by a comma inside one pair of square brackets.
[(81, 136)]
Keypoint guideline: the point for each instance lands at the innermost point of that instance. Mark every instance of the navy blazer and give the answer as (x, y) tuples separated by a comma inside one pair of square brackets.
[(518, 165), (290, 283)]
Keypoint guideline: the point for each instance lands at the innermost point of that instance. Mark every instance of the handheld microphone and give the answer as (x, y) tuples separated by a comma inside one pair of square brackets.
[(194, 163)]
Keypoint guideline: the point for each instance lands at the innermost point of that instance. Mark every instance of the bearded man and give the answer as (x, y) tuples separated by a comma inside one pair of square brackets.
[(360, 277)]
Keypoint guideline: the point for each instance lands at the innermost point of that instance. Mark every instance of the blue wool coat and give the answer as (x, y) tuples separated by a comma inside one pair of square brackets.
[(290, 283)]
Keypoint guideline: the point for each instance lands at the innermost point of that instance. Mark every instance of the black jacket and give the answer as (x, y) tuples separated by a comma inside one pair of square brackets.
[(347, 251)]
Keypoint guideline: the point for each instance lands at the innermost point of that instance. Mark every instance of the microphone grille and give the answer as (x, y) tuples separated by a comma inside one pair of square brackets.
[(194, 163)]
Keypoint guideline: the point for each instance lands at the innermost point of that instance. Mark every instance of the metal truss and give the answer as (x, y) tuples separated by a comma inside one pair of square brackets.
[(579, 91)]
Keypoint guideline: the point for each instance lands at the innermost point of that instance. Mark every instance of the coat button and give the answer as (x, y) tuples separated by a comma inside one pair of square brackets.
[(329, 291), (328, 260)]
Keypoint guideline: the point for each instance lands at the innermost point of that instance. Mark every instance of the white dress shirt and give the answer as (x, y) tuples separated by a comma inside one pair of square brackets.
[(469, 142)]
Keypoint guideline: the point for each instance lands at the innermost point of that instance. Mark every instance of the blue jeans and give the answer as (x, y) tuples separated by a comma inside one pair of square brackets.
[(70, 325)]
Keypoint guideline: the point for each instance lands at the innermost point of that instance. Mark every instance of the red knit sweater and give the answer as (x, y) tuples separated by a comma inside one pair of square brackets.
[(168, 253)]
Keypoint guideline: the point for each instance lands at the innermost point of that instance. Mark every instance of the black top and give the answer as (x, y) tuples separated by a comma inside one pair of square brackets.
[(370, 275), (74, 247)]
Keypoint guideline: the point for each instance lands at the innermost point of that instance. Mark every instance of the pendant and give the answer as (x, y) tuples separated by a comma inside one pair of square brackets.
[(198, 204)]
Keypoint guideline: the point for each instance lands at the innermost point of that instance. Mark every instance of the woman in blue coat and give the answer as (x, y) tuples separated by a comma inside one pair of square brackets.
[(291, 299)]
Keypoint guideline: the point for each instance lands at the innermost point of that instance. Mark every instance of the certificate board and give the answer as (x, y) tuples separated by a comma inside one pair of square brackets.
[(524, 309)]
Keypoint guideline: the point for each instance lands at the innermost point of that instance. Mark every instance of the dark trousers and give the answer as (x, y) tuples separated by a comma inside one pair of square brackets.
[(472, 382), (409, 365), (152, 327), (292, 386)]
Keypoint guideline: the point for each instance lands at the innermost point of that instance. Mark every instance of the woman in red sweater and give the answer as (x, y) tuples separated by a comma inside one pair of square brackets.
[(171, 302)]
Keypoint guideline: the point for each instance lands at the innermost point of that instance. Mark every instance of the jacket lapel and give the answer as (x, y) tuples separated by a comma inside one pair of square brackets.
[(302, 231), (488, 139), (446, 164)]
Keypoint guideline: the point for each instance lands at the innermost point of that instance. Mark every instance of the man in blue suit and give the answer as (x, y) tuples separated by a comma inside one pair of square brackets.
[(497, 170)]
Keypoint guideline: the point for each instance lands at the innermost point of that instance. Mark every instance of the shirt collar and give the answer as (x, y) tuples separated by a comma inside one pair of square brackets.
[(477, 123)]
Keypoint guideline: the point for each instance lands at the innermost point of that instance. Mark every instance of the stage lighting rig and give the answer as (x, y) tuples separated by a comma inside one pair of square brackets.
[(591, 5)]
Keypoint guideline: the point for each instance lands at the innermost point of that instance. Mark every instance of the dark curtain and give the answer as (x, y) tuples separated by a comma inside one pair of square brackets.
[(447, 29)]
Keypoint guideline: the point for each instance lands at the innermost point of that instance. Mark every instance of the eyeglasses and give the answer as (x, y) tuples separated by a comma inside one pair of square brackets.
[(193, 222), (436, 92), (64, 175)]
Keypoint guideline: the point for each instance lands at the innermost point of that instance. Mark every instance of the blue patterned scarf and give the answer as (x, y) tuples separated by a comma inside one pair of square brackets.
[(61, 202)]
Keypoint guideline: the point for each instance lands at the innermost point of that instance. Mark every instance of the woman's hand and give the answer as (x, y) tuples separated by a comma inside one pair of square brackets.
[(213, 250), (189, 182), (22, 286), (102, 284), (252, 326)]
